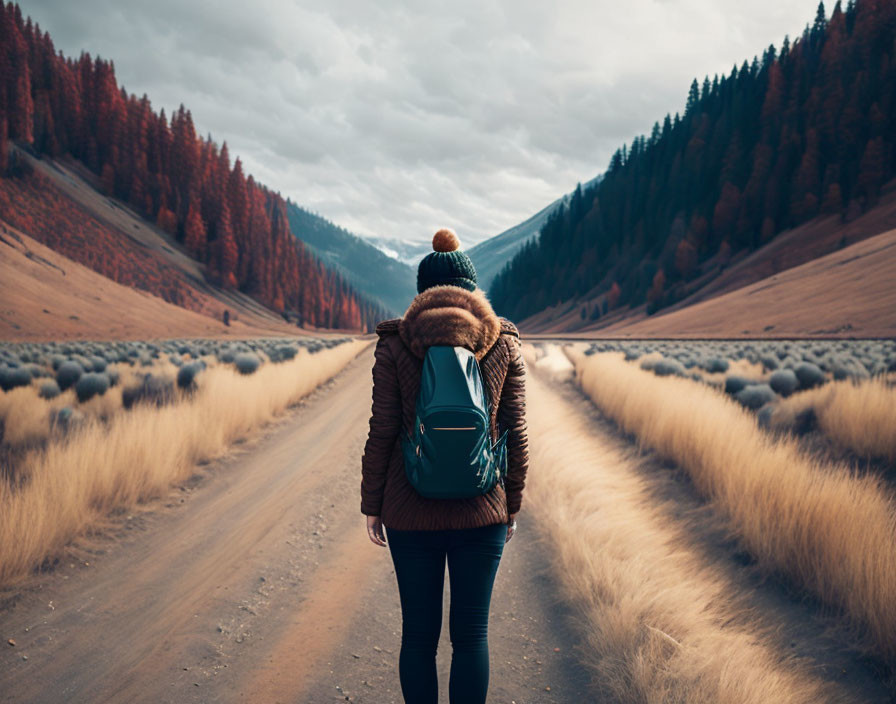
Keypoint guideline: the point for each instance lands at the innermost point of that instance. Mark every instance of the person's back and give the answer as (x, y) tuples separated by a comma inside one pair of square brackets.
[(423, 533)]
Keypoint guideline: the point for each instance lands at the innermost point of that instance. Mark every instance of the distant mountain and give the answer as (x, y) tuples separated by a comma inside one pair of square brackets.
[(408, 252), (380, 277), (490, 256), (805, 131)]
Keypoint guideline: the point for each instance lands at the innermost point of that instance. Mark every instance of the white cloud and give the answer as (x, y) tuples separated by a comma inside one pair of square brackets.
[(393, 118)]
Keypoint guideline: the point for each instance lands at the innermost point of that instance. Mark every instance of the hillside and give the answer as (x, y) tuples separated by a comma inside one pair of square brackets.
[(48, 297), (850, 293), (803, 245), (234, 228), (847, 294), (803, 132), (101, 270), (378, 276)]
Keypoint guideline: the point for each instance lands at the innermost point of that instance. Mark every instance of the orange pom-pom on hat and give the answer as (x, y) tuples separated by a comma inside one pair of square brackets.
[(445, 240)]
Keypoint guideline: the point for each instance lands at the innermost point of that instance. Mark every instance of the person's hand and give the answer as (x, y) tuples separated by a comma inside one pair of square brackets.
[(375, 531), (511, 526)]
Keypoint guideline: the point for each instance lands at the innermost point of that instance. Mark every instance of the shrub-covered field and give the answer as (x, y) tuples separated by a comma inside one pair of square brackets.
[(799, 513), (91, 428), (49, 389), (751, 363), (846, 389)]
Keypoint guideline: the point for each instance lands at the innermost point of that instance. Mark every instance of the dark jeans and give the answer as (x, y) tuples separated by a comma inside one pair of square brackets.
[(419, 557)]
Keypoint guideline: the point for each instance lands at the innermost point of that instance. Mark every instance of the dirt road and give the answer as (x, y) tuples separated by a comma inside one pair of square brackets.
[(256, 582)]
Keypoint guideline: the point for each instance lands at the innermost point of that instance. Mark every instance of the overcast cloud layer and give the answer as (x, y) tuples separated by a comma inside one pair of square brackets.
[(395, 118)]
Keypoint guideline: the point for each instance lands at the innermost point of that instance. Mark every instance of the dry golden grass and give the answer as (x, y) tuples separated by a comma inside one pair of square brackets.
[(138, 455), (662, 625), (824, 527), (26, 416), (860, 417)]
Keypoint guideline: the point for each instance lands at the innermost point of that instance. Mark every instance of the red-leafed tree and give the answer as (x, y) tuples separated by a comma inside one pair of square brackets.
[(185, 184), (194, 233), (226, 247)]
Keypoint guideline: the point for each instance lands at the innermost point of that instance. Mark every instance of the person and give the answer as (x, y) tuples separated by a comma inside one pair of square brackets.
[(423, 534)]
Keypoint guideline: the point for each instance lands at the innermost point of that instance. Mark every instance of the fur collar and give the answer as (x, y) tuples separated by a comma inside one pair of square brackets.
[(448, 315)]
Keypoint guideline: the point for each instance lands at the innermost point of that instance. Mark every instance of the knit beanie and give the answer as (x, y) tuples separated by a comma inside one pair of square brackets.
[(447, 264)]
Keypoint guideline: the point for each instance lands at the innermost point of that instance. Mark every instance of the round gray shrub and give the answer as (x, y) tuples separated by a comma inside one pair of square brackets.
[(769, 361), (68, 373), (35, 370), (90, 385), (247, 363), (86, 364), (784, 382), (809, 374), (49, 389), (186, 375), (98, 364), (735, 383), (283, 353), (227, 355), (756, 396), (848, 369), (12, 377), (151, 389), (716, 365), (668, 367)]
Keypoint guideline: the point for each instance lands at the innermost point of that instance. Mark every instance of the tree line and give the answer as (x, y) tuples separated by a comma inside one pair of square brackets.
[(54, 106), (805, 130)]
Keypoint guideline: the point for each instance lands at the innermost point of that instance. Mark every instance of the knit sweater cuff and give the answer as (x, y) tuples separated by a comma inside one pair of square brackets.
[(371, 508)]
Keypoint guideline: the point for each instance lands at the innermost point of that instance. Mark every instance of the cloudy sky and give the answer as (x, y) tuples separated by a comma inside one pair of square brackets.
[(395, 118)]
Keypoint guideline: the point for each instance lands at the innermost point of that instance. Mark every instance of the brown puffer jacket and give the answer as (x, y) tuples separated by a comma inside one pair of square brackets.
[(442, 315)]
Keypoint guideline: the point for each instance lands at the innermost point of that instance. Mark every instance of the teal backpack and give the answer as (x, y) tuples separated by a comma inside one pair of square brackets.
[(450, 455)]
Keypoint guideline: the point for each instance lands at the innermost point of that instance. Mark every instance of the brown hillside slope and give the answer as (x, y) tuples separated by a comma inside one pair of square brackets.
[(850, 293), (46, 296), (57, 203), (803, 244)]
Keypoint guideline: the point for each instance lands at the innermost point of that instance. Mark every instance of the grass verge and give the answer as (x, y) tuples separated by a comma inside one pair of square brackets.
[(140, 454), (827, 529), (660, 624)]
